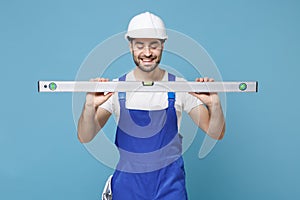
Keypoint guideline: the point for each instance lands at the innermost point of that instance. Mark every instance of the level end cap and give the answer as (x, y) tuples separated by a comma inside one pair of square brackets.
[(256, 89), (38, 86)]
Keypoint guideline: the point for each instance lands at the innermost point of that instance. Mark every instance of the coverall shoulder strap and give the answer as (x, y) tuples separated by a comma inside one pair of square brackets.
[(123, 77), (171, 77), (122, 95)]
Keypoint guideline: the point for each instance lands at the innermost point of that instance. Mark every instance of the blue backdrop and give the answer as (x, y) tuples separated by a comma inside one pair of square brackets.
[(41, 157)]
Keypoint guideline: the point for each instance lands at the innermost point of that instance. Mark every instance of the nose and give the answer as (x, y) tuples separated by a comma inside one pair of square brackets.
[(147, 51)]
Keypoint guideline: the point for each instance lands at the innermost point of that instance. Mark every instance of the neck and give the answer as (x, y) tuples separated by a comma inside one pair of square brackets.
[(156, 75)]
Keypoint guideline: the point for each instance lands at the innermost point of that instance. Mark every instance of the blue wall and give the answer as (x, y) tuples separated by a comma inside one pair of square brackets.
[(248, 40)]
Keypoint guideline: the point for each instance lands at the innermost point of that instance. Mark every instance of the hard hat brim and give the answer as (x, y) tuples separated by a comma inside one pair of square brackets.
[(147, 33)]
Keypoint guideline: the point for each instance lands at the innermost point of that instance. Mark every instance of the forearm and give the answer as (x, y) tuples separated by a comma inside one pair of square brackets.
[(216, 126), (88, 126)]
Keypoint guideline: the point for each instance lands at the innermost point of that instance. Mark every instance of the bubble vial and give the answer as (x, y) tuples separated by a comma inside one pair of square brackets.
[(52, 86), (243, 86)]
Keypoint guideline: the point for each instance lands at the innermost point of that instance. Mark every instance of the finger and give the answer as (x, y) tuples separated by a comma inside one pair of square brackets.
[(193, 93), (108, 95), (94, 79), (211, 80), (205, 79), (199, 79), (104, 80)]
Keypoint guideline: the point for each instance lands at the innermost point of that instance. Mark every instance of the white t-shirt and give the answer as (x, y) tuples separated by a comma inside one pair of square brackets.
[(151, 100)]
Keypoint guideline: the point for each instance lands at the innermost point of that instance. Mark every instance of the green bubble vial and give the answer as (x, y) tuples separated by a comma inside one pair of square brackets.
[(52, 86), (148, 83), (243, 86)]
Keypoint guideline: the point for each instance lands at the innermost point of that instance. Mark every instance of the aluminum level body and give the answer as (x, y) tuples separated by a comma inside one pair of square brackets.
[(135, 86)]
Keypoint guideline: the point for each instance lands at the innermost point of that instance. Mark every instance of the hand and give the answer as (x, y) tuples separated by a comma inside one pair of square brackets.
[(208, 99), (95, 99)]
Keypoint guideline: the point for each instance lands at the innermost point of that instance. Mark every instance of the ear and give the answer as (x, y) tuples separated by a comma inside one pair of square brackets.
[(130, 47), (162, 45)]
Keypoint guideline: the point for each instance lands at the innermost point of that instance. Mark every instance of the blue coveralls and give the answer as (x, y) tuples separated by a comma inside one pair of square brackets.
[(150, 147)]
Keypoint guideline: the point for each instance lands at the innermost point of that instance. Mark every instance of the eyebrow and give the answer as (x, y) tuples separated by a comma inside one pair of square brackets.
[(154, 42), (139, 42)]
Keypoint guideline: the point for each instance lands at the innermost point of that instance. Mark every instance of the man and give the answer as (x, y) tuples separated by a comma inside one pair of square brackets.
[(150, 166)]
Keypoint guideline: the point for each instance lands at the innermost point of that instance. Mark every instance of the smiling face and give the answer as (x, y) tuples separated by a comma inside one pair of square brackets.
[(146, 53)]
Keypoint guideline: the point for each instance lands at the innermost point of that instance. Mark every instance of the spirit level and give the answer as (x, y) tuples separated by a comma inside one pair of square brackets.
[(135, 86)]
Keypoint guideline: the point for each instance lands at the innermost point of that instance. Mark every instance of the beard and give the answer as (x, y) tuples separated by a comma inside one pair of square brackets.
[(147, 67)]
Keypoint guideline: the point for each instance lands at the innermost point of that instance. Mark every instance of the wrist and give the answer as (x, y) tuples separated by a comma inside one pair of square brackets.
[(89, 106), (214, 101), (213, 105)]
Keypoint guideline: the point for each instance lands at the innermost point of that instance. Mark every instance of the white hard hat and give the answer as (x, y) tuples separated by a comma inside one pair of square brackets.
[(146, 25)]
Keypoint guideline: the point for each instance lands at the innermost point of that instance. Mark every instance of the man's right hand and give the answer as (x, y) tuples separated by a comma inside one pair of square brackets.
[(95, 99)]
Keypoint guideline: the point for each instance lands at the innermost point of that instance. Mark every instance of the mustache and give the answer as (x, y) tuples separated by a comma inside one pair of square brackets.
[(149, 57)]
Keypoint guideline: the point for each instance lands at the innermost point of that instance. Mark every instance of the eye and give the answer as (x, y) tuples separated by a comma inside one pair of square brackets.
[(154, 46), (139, 46)]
